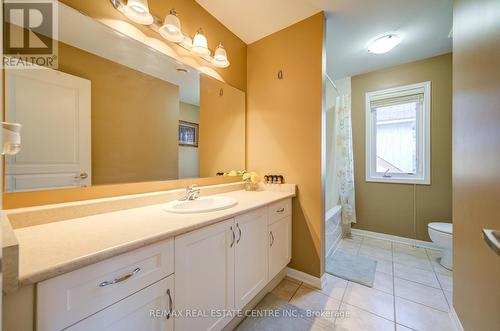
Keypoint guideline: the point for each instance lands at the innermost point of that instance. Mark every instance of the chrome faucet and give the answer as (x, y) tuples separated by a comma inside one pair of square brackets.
[(191, 193)]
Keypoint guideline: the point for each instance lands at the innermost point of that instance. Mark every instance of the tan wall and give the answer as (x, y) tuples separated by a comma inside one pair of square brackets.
[(222, 128), (396, 208), (192, 17), (134, 120), (284, 126), (476, 162)]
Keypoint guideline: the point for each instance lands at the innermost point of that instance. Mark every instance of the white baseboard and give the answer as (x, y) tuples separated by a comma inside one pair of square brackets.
[(306, 278), (403, 240), (455, 319)]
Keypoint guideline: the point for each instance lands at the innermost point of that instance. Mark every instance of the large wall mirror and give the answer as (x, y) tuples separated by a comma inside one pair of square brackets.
[(117, 111)]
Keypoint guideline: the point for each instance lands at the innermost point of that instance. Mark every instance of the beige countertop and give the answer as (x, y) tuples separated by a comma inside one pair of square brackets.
[(51, 249)]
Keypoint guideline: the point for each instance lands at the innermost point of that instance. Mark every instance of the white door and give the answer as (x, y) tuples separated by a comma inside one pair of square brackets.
[(280, 245), (204, 277), (54, 109), (147, 310), (250, 255)]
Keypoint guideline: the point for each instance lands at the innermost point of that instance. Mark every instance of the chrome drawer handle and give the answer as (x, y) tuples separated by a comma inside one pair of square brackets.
[(239, 233), (233, 237), (170, 306), (272, 239), (119, 279), (281, 210)]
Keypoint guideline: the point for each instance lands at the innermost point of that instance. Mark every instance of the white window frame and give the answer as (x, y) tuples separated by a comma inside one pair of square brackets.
[(423, 174)]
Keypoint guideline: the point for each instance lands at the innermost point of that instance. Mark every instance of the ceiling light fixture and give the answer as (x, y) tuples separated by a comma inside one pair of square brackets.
[(200, 44), (171, 28), (384, 44), (220, 57), (138, 11)]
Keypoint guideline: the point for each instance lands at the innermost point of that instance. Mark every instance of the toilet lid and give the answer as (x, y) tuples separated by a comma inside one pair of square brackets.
[(442, 227)]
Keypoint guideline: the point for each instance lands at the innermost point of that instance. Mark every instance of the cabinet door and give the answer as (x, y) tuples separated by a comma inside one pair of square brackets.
[(135, 312), (204, 272), (280, 245), (250, 255)]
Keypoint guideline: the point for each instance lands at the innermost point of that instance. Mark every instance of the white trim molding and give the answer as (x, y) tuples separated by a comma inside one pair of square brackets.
[(306, 278), (455, 319), (422, 173), (403, 240)]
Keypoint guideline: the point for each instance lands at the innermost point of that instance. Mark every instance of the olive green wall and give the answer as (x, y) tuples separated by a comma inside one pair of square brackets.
[(402, 209)]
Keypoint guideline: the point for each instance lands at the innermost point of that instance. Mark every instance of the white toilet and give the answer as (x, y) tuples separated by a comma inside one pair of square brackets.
[(442, 235)]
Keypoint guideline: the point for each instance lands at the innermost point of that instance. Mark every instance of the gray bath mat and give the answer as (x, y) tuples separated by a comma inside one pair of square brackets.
[(279, 315), (358, 269)]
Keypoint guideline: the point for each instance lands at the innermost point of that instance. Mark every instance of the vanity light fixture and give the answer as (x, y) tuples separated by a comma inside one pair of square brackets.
[(200, 44), (220, 57), (138, 11), (384, 44), (171, 28), (11, 135)]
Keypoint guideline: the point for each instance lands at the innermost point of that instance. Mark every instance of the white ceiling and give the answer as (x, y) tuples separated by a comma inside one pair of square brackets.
[(424, 26), (252, 20)]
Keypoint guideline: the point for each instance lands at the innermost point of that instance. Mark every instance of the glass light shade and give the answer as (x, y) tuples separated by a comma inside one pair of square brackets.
[(171, 28), (11, 138), (200, 44), (138, 11), (384, 44), (220, 57)]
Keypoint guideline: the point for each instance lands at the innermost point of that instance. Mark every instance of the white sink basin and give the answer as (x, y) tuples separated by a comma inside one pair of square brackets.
[(200, 205)]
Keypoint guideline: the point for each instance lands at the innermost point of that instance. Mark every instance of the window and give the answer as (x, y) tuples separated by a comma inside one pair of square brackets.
[(398, 134)]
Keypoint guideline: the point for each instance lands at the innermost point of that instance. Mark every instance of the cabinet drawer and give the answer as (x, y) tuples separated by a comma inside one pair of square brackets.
[(69, 298), (279, 209), (147, 310)]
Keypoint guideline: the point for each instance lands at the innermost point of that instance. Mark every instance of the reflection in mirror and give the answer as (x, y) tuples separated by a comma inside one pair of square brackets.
[(116, 111)]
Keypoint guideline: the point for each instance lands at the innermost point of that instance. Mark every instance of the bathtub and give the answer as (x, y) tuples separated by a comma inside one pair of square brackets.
[(333, 226)]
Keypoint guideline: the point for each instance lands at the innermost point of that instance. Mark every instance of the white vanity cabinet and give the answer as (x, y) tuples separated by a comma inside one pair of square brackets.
[(217, 269), (251, 257), (147, 310), (280, 236), (204, 266), (220, 268), (70, 298), (280, 247)]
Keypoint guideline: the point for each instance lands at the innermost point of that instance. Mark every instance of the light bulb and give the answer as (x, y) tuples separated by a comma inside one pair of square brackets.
[(171, 28), (200, 44), (138, 11)]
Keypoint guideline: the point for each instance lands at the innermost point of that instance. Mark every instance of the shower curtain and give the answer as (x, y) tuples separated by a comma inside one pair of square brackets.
[(343, 161)]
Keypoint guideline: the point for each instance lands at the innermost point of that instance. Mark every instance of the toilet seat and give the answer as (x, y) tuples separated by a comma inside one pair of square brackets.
[(446, 228)]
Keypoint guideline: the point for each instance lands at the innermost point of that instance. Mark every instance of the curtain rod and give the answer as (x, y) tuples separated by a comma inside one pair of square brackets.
[(331, 81)]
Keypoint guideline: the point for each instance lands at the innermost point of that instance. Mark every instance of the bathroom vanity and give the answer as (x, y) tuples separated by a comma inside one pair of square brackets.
[(149, 269)]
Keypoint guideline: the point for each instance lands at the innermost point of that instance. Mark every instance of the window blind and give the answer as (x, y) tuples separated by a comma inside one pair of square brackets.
[(391, 99)]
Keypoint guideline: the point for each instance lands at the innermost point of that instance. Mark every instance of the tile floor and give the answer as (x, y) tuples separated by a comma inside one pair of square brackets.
[(411, 291)]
